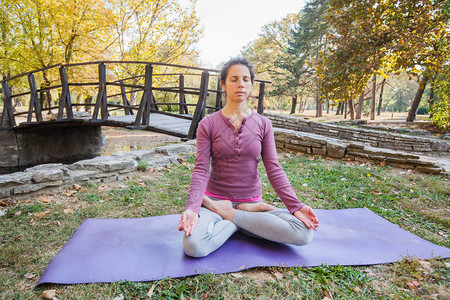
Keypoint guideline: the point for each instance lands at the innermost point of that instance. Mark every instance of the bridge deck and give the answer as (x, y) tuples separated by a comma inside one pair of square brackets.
[(175, 125), (172, 125)]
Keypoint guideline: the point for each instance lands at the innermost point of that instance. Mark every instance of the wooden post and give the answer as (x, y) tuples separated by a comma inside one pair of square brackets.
[(128, 111), (200, 107), (219, 103), (182, 96), (34, 100), (144, 107), (101, 103), (64, 100), (260, 109), (7, 119), (294, 104)]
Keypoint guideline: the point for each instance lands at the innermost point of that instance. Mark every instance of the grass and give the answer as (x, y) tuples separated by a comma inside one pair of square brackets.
[(33, 231)]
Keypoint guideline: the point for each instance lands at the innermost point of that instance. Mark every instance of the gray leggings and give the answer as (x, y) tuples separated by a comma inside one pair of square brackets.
[(212, 231)]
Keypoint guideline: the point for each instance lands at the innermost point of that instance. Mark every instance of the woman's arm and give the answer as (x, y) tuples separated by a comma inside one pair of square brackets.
[(201, 172), (280, 182)]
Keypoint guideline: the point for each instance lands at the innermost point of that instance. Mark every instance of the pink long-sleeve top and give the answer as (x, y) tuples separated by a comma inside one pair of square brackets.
[(234, 155)]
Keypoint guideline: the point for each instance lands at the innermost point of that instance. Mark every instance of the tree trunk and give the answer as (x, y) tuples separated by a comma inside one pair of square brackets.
[(338, 109), (328, 106), (431, 101), (351, 109), (380, 101), (294, 104), (415, 104), (360, 106), (374, 87), (345, 110), (318, 105)]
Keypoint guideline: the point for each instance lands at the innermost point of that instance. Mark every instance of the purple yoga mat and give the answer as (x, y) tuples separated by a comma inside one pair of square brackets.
[(108, 250)]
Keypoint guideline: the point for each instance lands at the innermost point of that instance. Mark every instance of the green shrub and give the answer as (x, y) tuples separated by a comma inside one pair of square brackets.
[(422, 110)]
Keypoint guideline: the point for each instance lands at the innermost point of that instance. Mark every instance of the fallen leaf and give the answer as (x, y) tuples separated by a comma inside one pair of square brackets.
[(53, 222), (180, 160), (3, 203), (30, 276), (409, 283), (241, 267), (42, 214), (327, 295), (150, 292), (278, 275), (382, 164), (77, 187), (48, 294), (68, 210), (375, 192), (46, 200), (236, 275), (69, 194), (18, 213)]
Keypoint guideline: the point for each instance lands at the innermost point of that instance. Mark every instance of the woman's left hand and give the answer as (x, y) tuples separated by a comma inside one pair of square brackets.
[(307, 216)]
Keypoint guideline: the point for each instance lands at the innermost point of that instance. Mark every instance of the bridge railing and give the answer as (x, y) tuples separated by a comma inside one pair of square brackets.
[(112, 87)]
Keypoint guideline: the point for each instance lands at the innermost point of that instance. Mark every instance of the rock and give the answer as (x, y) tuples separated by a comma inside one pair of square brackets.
[(15, 178), (175, 149), (104, 163), (336, 149)]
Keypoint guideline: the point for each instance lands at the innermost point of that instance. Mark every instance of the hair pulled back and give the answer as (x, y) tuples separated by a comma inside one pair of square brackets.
[(236, 61)]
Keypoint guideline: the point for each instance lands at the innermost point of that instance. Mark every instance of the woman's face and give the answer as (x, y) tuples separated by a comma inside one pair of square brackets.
[(238, 83)]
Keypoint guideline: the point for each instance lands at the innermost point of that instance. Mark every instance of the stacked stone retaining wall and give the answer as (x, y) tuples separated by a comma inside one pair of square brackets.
[(372, 138), (336, 148), (100, 169)]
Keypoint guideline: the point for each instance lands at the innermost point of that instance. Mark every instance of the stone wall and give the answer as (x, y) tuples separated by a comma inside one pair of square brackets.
[(21, 148), (100, 169), (9, 154), (336, 148), (373, 138)]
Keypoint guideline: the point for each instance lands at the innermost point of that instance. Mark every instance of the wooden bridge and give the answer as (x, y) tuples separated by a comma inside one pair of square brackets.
[(112, 106), (165, 98)]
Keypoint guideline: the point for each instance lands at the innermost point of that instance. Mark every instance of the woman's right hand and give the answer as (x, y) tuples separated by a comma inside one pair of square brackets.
[(188, 221)]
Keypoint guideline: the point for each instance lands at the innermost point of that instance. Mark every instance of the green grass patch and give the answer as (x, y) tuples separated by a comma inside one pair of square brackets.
[(33, 231)]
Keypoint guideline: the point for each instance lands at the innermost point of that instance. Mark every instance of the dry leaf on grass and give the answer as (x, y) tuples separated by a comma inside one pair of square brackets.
[(77, 187), (150, 292), (3, 203), (42, 214), (53, 222), (68, 211), (30, 276), (48, 294), (411, 284)]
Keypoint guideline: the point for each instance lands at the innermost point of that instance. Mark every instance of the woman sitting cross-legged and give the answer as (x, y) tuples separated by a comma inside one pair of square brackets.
[(226, 197)]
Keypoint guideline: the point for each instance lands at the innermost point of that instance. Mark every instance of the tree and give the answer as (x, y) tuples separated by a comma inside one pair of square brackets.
[(158, 31), (308, 38), (385, 37), (266, 50)]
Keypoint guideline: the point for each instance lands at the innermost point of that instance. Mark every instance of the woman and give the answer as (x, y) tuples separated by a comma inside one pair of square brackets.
[(228, 198)]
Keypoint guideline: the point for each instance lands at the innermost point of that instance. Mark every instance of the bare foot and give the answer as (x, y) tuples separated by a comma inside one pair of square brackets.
[(223, 208), (255, 207)]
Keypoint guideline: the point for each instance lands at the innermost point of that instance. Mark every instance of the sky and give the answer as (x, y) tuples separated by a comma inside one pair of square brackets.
[(229, 25)]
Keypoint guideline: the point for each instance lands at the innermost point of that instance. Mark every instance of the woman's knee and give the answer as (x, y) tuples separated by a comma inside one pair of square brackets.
[(194, 248), (304, 237)]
